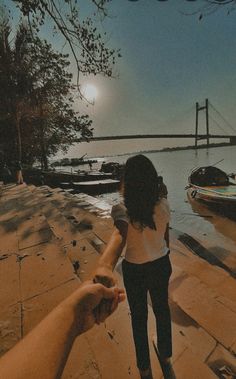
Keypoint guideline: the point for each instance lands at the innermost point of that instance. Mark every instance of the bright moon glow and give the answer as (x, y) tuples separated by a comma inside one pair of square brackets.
[(90, 92)]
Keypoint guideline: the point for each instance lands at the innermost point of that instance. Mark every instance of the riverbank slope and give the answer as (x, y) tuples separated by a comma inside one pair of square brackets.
[(51, 241)]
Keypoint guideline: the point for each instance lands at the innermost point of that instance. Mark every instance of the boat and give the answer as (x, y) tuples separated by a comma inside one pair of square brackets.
[(212, 186), (77, 162), (74, 161), (114, 168), (93, 175), (97, 186)]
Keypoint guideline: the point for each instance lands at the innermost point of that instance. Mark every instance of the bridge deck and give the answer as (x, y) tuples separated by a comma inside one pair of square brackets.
[(142, 136)]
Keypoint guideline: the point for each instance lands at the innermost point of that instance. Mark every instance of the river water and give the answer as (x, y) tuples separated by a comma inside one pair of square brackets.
[(216, 231)]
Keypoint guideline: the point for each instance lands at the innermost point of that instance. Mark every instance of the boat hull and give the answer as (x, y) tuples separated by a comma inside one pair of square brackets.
[(97, 186), (224, 195)]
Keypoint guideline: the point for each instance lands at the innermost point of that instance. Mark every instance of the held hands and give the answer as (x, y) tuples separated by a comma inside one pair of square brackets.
[(93, 303), (105, 276)]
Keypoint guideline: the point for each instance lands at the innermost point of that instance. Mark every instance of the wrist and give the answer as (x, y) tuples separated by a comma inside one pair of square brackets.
[(70, 313), (106, 265)]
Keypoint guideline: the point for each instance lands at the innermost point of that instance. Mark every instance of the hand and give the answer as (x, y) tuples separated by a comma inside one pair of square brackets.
[(93, 303), (105, 276)]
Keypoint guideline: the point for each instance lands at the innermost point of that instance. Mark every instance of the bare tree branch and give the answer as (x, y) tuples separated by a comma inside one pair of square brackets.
[(87, 44)]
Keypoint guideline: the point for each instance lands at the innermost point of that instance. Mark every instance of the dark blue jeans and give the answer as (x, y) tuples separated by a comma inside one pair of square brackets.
[(138, 280)]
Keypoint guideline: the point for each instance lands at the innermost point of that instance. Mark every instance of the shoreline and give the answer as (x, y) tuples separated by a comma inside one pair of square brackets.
[(165, 149)]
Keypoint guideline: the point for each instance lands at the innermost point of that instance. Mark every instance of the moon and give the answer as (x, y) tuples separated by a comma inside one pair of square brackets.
[(90, 92)]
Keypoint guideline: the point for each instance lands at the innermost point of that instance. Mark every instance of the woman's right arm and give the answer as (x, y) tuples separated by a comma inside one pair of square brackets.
[(111, 254)]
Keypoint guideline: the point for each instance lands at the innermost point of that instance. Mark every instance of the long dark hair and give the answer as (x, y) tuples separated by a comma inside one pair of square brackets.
[(141, 193)]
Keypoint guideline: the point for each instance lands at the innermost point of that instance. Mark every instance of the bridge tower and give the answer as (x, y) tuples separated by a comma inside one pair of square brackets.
[(198, 109)]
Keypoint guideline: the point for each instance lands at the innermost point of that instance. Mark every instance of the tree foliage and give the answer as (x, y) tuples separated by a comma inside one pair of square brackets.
[(36, 106), (15, 83), (37, 117), (86, 42)]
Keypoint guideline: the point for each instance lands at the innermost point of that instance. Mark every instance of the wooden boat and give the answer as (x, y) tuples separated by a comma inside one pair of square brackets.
[(78, 162), (212, 185), (65, 180), (97, 186), (94, 175), (114, 168), (73, 161)]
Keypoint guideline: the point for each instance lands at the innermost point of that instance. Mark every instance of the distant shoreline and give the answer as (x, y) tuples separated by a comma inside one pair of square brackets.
[(167, 149)]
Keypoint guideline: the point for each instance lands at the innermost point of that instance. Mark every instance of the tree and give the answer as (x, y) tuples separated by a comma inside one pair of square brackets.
[(52, 130), (57, 125), (15, 84), (86, 42), (92, 55), (36, 105)]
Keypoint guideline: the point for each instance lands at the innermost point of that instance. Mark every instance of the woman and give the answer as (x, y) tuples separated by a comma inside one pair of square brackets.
[(142, 225), (19, 176)]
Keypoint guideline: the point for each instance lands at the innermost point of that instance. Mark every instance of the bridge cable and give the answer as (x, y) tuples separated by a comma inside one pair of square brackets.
[(220, 127), (227, 123)]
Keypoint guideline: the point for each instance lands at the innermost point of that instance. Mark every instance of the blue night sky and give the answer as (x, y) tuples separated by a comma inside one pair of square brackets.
[(169, 61)]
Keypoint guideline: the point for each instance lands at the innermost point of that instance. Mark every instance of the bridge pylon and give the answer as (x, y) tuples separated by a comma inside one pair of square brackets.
[(206, 109)]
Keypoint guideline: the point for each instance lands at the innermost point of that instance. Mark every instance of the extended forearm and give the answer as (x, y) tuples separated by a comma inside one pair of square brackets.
[(113, 251), (44, 351)]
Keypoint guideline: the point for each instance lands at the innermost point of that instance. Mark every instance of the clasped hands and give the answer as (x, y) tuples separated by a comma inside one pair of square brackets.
[(95, 300)]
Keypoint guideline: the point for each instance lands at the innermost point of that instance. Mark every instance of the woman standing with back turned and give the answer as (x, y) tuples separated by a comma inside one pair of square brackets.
[(142, 225)]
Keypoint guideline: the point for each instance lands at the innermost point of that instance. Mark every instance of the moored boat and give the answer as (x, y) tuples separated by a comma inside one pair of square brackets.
[(73, 161), (212, 185), (116, 169), (97, 186)]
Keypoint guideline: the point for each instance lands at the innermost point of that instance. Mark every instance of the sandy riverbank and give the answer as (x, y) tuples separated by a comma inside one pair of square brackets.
[(51, 241)]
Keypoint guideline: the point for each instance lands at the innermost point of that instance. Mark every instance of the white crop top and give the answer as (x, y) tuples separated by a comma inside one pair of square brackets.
[(145, 245)]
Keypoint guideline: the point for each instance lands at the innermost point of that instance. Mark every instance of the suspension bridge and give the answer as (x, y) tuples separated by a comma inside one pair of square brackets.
[(227, 131)]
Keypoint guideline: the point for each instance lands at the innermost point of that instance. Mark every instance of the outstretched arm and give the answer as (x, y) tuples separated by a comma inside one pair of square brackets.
[(44, 351), (115, 245), (111, 254)]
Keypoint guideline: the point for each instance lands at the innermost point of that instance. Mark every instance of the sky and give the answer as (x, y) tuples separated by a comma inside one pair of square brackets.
[(169, 61)]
